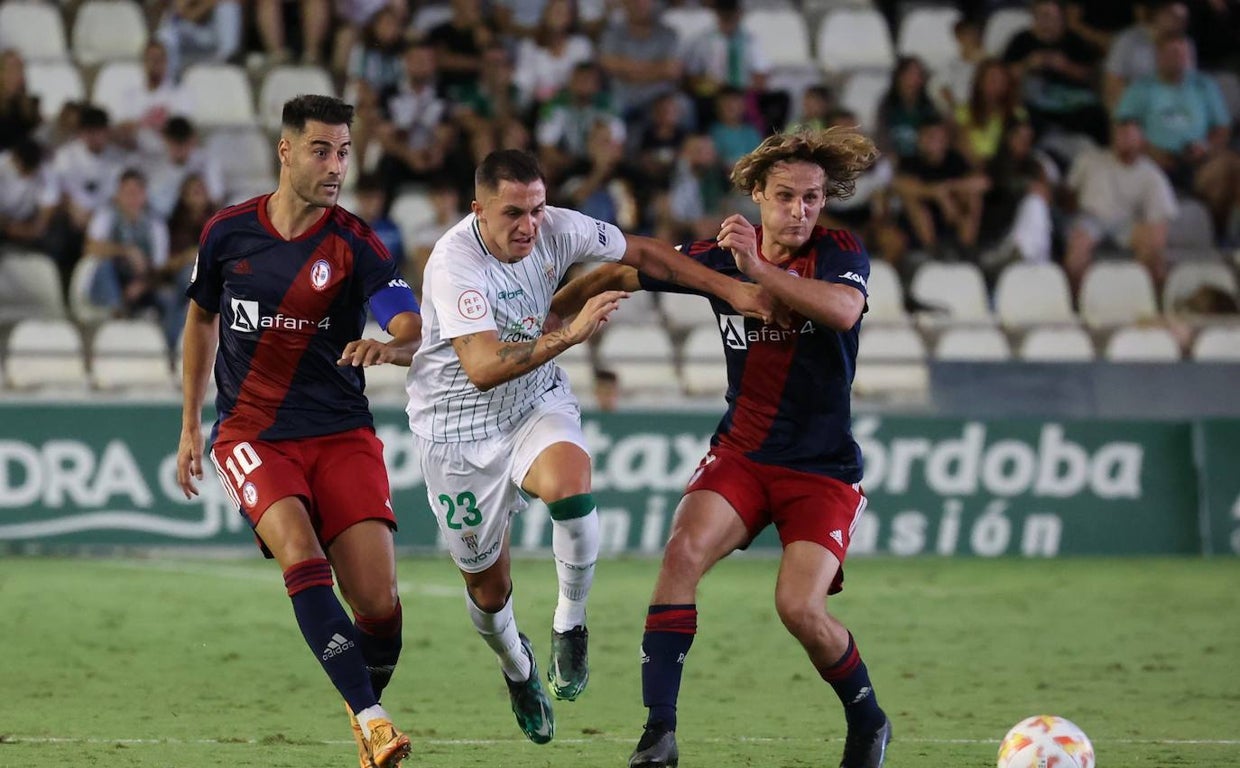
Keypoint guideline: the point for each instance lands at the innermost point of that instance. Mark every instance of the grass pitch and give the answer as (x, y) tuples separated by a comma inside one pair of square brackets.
[(198, 663)]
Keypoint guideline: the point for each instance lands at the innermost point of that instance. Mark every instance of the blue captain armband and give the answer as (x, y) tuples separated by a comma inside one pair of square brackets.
[(392, 299)]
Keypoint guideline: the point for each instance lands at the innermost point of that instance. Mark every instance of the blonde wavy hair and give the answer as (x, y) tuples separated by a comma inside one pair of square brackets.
[(842, 153)]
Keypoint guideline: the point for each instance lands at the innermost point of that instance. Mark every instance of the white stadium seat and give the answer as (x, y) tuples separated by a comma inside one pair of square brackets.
[(982, 344), (247, 159), (640, 308), (682, 312), (55, 83), (129, 354), (1187, 277), (1002, 26), (576, 363), (780, 35), (1192, 228), (861, 95), (1218, 344), (642, 356), (1149, 344), (107, 30), (1030, 293), (34, 29), (116, 81), (29, 287), (959, 288), (80, 306), (928, 33), (890, 359), (427, 17), (46, 354), (854, 38), (412, 211), (384, 382), (283, 83), (689, 24), (886, 295), (1116, 293), (1057, 344), (703, 368), (221, 95)]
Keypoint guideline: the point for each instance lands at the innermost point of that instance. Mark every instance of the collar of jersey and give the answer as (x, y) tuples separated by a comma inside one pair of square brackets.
[(477, 228)]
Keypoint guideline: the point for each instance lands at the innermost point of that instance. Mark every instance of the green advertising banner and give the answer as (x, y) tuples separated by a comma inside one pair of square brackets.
[(1219, 448), (106, 475)]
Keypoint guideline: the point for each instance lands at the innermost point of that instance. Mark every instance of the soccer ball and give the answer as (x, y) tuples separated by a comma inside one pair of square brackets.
[(1046, 741)]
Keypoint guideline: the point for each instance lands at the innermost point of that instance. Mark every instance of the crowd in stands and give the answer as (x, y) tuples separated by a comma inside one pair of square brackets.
[(1078, 132)]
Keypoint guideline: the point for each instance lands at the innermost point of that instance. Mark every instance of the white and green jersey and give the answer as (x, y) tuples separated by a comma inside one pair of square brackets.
[(467, 290)]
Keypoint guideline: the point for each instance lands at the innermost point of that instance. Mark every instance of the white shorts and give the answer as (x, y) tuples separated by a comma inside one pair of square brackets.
[(474, 487)]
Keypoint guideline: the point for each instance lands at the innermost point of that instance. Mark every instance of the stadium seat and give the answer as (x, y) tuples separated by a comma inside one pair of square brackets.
[(1186, 277), (641, 354), (1029, 293), (34, 29), (1002, 26), (1218, 344), (114, 83), (861, 95), (682, 312), (1192, 228), (429, 16), (959, 288), (46, 354), (130, 354), (1057, 344), (80, 306), (29, 287), (577, 364), (854, 38), (928, 33), (412, 211), (780, 34), (640, 308), (981, 344), (107, 30), (886, 294), (689, 24), (703, 370), (221, 95), (55, 83), (891, 359), (1116, 293), (247, 157), (283, 83), (1146, 344)]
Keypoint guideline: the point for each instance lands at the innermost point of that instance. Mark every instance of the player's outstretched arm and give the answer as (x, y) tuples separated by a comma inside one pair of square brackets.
[(198, 340), (663, 262), (835, 305), (569, 300), (489, 362), (406, 331)]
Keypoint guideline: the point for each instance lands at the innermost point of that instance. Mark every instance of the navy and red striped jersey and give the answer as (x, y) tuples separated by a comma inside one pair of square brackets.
[(789, 388), (287, 309)]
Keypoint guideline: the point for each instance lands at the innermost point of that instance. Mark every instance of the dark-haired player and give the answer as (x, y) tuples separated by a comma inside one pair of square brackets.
[(784, 451), (281, 285)]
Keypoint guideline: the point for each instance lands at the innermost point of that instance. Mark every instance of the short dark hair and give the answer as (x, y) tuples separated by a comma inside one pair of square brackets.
[(179, 129), (605, 376), (92, 117), (323, 109), (133, 174), (514, 165), (28, 153)]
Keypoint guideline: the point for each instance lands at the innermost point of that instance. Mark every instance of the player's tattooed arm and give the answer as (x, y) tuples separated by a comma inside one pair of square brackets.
[(489, 362)]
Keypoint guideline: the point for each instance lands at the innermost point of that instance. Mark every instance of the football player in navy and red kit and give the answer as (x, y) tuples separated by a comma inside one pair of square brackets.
[(784, 452), (281, 285)]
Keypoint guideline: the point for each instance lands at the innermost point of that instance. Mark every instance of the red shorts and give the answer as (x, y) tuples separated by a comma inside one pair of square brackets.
[(341, 478), (803, 506)]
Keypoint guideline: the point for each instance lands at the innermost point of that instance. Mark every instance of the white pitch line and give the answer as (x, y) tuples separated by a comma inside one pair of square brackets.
[(12, 739)]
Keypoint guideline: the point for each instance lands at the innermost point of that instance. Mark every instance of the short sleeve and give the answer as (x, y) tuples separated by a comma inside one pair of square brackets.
[(457, 292), (843, 260), (205, 282), (1216, 108), (590, 239)]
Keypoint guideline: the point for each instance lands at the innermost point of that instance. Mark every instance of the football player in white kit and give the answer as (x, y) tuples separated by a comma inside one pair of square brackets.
[(493, 418)]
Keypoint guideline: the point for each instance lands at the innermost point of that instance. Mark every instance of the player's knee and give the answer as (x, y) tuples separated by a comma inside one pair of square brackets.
[(490, 596), (801, 618), (685, 557)]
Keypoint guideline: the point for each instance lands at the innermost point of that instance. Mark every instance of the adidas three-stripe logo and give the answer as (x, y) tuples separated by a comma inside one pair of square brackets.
[(337, 645)]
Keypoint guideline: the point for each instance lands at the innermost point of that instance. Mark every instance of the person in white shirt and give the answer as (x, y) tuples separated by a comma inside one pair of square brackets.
[(130, 245), (87, 167), (142, 108), (181, 155), (493, 418), (28, 194)]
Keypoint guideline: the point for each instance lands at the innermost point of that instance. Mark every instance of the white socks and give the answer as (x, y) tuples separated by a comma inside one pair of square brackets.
[(575, 545), (371, 713), (499, 630)]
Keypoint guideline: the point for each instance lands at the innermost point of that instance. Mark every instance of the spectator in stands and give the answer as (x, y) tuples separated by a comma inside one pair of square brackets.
[(1123, 199), (594, 187), (563, 130), (28, 195), (904, 108), (942, 196), (419, 140), (180, 156), (639, 55), (354, 18), (734, 136), (87, 167), (993, 105), (864, 211), (446, 201), (817, 105), (194, 206), (606, 390), (952, 81), (141, 111), (699, 191), (129, 244), (492, 106), (1186, 122), (1215, 27), (659, 144), (1056, 68), (374, 73), (1097, 23), (1016, 210), (19, 109), (372, 207), (1134, 52), (458, 45), (729, 56), (200, 31), (517, 19), (545, 60), (314, 19)]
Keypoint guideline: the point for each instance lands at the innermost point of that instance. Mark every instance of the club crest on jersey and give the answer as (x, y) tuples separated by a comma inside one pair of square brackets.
[(320, 274), (471, 541), (249, 494), (549, 271)]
